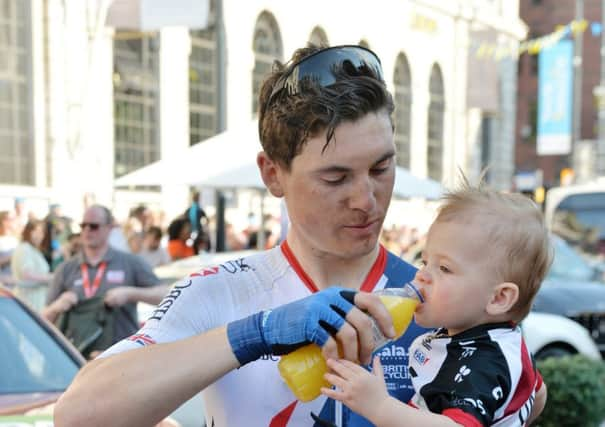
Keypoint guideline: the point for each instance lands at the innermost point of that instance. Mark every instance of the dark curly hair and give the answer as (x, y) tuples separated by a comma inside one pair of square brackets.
[(288, 121)]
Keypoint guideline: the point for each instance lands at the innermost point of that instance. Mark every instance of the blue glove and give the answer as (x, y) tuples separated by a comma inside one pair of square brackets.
[(291, 326)]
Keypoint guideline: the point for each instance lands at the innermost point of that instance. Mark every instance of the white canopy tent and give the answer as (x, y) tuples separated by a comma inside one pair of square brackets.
[(228, 160), (199, 165)]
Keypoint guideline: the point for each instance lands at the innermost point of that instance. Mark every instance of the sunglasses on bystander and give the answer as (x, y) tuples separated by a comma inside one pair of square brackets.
[(93, 226)]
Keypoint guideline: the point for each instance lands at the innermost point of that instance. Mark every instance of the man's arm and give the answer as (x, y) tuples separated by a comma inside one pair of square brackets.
[(146, 287), (119, 296), (539, 404), (141, 387), (58, 298)]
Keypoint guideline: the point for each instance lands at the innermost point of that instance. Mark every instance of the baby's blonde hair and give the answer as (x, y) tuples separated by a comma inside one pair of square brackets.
[(516, 235)]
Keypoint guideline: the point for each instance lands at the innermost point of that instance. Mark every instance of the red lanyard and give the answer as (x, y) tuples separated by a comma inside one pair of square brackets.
[(88, 290)]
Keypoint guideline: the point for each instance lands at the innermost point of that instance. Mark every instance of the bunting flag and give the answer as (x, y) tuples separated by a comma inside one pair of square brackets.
[(499, 51)]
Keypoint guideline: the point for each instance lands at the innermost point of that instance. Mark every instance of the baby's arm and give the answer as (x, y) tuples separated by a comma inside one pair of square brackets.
[(366, 393), (539, 404)]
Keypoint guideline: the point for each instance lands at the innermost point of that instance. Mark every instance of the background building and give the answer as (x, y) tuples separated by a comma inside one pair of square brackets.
[(543, 17), (82, 103)]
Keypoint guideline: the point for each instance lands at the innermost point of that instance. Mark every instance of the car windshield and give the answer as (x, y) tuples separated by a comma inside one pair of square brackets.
[(569, 264), (30, 358)]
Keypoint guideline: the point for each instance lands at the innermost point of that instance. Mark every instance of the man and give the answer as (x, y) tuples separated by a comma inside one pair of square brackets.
[(198, 220), (99, 270), (153, 253), (327, 135)]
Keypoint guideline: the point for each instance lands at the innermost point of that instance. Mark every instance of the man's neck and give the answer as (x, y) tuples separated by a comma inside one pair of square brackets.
[(95, 255), (327, 269)]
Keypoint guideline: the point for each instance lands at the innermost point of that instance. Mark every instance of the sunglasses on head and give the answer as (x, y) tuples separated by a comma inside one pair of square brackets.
[(93, 226), (319, 68)]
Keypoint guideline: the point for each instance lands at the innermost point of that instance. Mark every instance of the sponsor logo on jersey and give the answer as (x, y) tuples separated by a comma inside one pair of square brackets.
[(467, 349), (395, 372), (392, 351), (168, 300), (142, 339), (426, 342), (232, 267), (269, 357), (462, 372), (237, 266), (467, 401), (206, 271), (420, 357)]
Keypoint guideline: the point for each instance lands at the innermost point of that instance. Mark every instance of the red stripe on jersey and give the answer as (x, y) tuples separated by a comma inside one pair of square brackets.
[(368, 284), (462, 418), (376, 271), (297, 267), (526, 384), (282, 418)]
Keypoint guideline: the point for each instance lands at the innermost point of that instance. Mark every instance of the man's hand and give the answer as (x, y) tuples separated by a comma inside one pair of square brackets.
[(59, 306), (328, 318), (117, 297)]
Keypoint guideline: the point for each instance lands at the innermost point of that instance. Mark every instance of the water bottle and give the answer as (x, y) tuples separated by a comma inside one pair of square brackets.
[(304, 369)]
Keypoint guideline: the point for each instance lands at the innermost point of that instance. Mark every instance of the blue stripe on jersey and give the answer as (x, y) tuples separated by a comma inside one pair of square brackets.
[(394, 356)]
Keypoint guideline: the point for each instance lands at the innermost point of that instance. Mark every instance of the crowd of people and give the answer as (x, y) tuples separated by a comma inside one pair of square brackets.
[(32, 247)]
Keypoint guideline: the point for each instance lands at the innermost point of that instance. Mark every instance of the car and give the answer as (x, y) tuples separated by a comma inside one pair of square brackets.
[(574, 289), (551, 335), (577, 213), (37, 364)]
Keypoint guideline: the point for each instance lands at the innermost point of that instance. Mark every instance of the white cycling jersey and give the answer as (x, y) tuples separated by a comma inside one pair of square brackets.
[(255, 394)]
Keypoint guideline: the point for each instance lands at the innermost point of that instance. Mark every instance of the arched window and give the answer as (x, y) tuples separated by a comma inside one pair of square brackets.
[(267, 47), (16, 141), (403, 110), (435, 124), (203, 82), (318, 37), (135, 99)]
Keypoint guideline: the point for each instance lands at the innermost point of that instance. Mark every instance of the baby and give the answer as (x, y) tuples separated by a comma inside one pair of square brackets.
[(485, 257)]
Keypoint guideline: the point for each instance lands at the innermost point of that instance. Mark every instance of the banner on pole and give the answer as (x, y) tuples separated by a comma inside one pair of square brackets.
[(555, 99)]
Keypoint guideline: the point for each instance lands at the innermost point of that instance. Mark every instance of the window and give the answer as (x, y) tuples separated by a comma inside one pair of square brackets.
[(135, 83), (267, 46), (203, 83), (435, 124), (16, 142), (318, 37), (32, 360), (403, 110)]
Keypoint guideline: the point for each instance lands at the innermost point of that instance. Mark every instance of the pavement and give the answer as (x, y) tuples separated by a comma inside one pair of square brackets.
[(191, 413)]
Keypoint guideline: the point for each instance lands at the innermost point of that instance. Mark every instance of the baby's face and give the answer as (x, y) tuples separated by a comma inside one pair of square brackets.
[(456, 277)]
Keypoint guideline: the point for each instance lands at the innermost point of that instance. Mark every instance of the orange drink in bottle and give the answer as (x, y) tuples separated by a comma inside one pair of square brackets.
[(303, 370)]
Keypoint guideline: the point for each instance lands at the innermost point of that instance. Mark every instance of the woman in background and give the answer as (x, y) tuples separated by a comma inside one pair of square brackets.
[(29, 267), (179, 242)]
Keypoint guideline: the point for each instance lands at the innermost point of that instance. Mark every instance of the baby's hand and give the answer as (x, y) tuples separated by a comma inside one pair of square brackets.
[(362, 391)]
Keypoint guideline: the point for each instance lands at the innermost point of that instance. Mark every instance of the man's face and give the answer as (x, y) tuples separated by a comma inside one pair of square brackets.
[(151, 243), (337, 199), (95, 229)]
